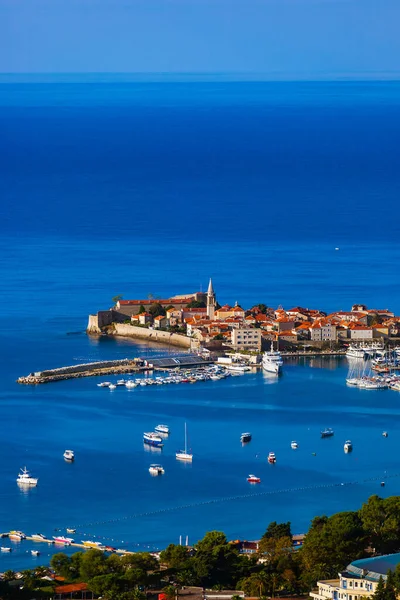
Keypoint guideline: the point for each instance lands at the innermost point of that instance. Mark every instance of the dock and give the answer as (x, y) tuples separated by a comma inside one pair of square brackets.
[(114, 367), (62, 545)]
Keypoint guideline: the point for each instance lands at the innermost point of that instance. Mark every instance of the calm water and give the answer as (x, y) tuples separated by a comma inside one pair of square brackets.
[(139, 189)]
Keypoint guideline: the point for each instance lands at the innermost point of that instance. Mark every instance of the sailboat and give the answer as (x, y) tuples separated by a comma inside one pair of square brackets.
[(183, 454)]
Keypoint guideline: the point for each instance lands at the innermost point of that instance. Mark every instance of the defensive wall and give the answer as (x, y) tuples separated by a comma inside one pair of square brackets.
[(152, 335)]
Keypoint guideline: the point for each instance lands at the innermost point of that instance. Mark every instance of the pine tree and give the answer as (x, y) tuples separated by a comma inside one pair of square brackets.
[(390, 588), (380, 592)]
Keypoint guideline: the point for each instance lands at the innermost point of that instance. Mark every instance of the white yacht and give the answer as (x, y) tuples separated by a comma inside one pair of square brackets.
[(294, 445), (348, 446), (238, 368), (184, 454), (272, 361), (69, 455), (24, 478), (162, 429), (156, 470), (355, 352)]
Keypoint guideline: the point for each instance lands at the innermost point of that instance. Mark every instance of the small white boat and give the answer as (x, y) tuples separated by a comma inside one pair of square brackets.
[(4, 549), (69, 455), (24, 478), (348, 446), (272, 361), (131, 384), (162, 429), (184, 454), (156, 470), (38, 536), (385, 434), (294, 445), (272, 458), (71, 530), (16, 535), (104, 384), (245, 437), (35, 552), (112, 386)]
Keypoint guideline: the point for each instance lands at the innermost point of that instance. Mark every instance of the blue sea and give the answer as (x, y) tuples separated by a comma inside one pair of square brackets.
[(151, 188)]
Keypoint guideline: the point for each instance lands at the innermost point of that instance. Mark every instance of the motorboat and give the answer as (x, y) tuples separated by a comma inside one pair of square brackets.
[(184, 454), (35, 552), (162, 429), (91, 544), (328, 432), (60, 539), (253, 479), (245, 437), (70, 530), (294, 445), (104, 384), (131, 384), (5, 549), (152, 439), (238, 368), (69, 455), (24, 478), (271, 458), (112, 386), (272, 361), (156, 470), (385, 434), (348, 446), (16, 535), (355, 352), (39, 536)]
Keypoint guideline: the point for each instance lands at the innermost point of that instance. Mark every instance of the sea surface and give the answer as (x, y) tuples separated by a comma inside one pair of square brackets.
[(284, 193)]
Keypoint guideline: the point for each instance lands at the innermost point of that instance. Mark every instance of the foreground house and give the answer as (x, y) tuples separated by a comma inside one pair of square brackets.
[(358, 581)]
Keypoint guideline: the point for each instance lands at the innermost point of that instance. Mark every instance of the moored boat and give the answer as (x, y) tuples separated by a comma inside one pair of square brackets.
[(38, 536), (385, 434), (327, 432), (35, 552), (162, 429), (24, 478), (69, 455), (272, 361), (152, 439), (253, 479), (294, 445), (91, 544), (184, 454), (245, 437), (348, 446), (60, 539), (271, 458), (156, 470), (5, 549)]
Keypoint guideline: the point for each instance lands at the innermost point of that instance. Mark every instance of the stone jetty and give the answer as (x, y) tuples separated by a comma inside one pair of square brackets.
[(110, 367)]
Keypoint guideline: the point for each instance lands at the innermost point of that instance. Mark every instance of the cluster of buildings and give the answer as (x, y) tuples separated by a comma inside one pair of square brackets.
[(200, 317)]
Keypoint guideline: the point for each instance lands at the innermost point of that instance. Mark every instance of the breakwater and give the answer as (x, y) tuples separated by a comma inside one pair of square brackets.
[(109, 367)]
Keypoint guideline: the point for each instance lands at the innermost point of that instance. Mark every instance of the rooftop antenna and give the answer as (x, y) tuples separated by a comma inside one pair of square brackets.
[(187, 540), (180, 540)]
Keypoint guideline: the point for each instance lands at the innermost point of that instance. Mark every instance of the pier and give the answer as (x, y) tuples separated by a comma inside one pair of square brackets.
[(114, 367), (61, 545)]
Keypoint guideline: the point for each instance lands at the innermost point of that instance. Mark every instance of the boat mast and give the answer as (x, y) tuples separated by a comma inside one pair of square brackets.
[(185, 440)]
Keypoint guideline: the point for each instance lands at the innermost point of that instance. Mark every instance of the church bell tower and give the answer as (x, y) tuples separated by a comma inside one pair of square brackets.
[(211, 301)]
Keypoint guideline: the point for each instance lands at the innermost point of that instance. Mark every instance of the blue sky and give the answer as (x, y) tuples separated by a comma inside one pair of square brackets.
[(268, 38)]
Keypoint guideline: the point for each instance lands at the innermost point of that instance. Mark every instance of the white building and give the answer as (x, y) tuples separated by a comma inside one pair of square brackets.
[(358, 581), (246, 338)]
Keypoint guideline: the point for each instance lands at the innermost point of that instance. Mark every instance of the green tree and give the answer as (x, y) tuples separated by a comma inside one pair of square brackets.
[(93, 564), (116, 298), (141, 309), (390, 586), (9, 575), (218, 337), (379, 593), (381, 521), (263, 308), (275, 548), (196, 304), (331, 544), (60, 562), (156, 310), (175, 556), (277, 530), (108, 586)]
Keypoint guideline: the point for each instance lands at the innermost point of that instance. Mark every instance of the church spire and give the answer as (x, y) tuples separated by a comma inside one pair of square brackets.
[(211, 301)]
